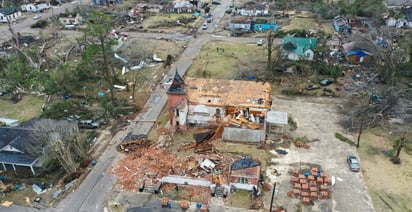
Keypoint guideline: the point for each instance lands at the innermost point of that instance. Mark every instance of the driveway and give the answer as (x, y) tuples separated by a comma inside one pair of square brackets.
[(317, 119)]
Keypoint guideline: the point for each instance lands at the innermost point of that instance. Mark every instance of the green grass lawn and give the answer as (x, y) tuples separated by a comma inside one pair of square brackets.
[(27, 108), (240, 199), (236, 58)]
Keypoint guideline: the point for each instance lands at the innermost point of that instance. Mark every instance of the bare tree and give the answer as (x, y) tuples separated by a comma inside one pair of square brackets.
[(58, 140), (372, 113), (402, 143), (17, 46)]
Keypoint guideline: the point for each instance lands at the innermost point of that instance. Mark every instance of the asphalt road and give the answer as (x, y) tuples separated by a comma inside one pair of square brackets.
[(23, 26)]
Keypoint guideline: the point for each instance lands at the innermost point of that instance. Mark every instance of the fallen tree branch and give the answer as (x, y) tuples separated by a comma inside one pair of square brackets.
[(386, 203), (17, 46)]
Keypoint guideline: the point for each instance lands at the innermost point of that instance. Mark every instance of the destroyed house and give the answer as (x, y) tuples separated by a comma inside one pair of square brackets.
[(359, 50), (70, 18), (240, 106), (245, 173), (341, 25), (178, 7), (254, 9), (240, 25)]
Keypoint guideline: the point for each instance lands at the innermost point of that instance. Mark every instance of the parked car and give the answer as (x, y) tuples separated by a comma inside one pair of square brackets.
[(353, 163), (325, 82), (312, 87), (88, 124), (204, 26), (260, 42), (36, 17)]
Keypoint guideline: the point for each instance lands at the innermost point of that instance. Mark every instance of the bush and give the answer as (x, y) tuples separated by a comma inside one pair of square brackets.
[(344, 139), (292, 124), (40, 24), (291, 92)]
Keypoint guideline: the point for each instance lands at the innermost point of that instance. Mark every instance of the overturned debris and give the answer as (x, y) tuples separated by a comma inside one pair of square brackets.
[(134, 145)]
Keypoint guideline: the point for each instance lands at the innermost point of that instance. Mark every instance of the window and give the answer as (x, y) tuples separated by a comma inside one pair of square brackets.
[(242, 180)]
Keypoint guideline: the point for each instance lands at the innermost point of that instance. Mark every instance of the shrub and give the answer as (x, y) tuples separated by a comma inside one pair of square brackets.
[(344, 139)]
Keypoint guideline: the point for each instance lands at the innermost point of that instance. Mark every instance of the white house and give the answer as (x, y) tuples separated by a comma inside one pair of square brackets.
[(9, 14), (42, 7), (28, 8)]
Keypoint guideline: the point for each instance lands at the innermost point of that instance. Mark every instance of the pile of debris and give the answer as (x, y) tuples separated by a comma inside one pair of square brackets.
[(310, 185), (202, 143), (134, 145), (146, 165), (242, 118)]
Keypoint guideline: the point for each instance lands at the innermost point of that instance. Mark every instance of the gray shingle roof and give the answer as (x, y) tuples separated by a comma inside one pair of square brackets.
[(17, 138)]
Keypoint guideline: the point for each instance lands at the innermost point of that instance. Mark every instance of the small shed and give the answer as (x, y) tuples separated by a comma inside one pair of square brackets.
[(276, 121)]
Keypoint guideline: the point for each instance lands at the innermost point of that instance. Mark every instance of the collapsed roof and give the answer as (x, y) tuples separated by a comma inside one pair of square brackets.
[(219, 92)]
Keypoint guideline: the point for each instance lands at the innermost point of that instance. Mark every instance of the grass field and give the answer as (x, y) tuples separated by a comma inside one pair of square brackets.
[(388, 184), (229, 63), (168, 19), (27, 108)]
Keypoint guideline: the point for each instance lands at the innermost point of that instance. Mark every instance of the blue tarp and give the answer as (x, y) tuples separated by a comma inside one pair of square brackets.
[(360, 53)]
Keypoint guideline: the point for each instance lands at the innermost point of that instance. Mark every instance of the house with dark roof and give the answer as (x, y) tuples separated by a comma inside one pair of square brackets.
[(10, 14), (15, 148), (297, 48), (245, 173), (13, 153)]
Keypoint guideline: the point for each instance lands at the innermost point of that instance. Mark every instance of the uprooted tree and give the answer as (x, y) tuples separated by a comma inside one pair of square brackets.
[(59, 140)]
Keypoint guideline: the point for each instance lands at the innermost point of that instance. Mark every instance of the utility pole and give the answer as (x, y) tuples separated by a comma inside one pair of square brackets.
[(273, 195)]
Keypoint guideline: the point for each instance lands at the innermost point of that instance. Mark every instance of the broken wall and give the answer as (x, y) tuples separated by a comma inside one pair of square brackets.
[(203, 115), (244, 135)]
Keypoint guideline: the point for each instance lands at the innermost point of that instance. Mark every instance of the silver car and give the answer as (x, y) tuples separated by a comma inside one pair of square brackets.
[(353, 163), (36, 17), (204, 26)]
